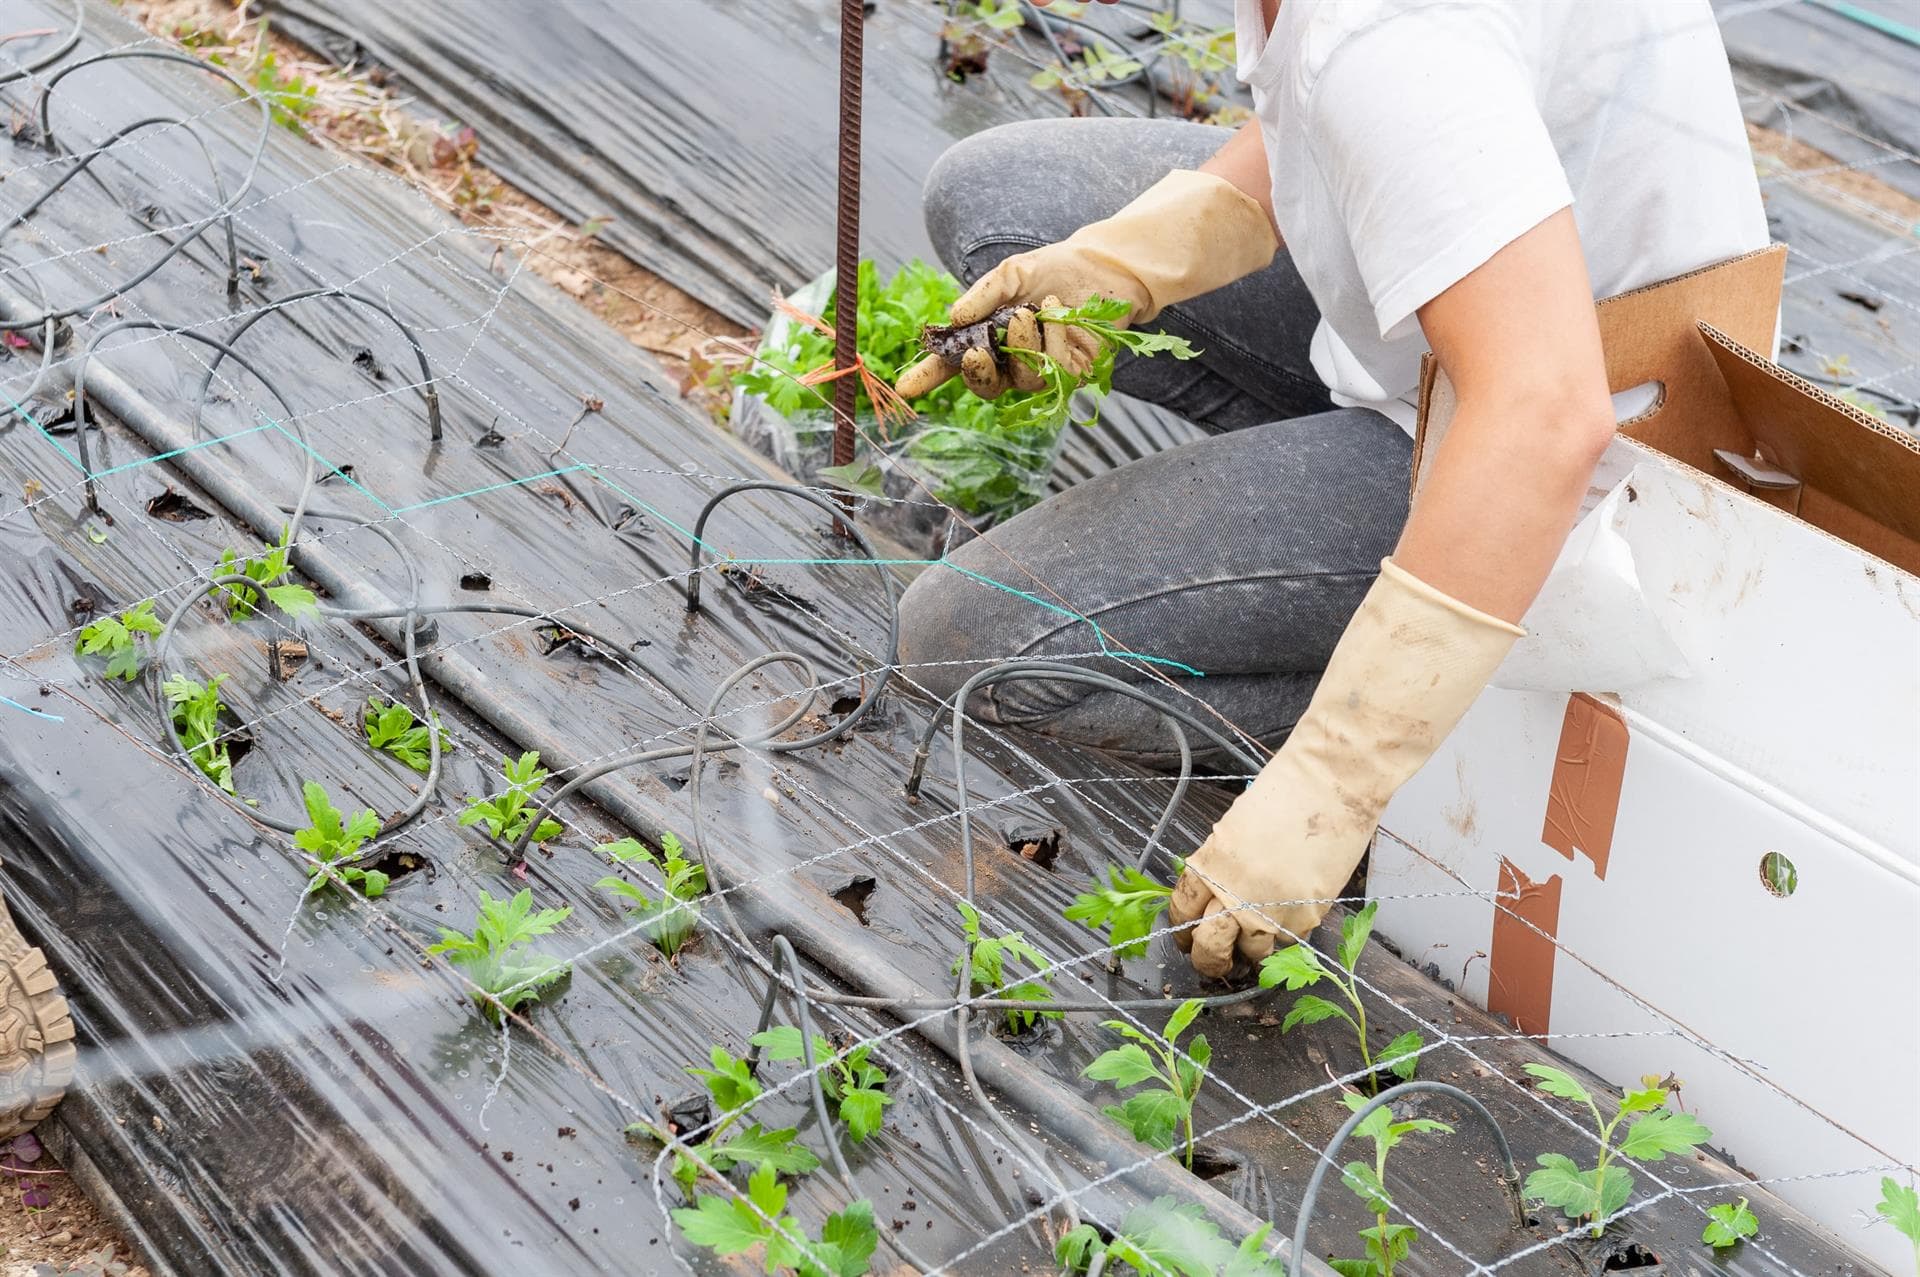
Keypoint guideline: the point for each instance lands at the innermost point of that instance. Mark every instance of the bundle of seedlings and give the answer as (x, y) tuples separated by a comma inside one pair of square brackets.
[(986, 458)]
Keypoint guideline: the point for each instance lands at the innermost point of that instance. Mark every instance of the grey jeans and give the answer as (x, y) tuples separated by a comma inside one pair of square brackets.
[(1235, 562)]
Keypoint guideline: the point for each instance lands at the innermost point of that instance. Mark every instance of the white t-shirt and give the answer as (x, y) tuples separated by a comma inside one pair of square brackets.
[(1410, 140)]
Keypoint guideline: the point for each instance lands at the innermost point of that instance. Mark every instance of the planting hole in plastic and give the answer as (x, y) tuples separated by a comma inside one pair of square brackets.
[(1778, 875), (1629, 1255)]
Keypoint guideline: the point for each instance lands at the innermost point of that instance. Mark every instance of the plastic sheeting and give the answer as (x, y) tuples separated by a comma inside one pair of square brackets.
[(279, 1083)]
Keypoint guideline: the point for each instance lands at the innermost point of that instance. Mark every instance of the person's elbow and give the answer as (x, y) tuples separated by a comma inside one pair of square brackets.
[(1562, 424)]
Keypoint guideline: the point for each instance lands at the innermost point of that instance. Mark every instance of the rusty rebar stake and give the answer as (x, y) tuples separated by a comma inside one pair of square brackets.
[(846, 306)]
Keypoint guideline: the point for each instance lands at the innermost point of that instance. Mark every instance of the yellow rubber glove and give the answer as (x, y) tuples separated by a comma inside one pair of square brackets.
[(1188, 234), (1411, 662)]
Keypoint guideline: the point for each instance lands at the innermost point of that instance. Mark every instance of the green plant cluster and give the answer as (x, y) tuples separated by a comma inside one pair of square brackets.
[(1595, 1194), (114, 638), (392, 729), (991, 957), (507, 813), (1155, 1113), (332, 842), (1301, 966), (1386, 1242), (196, 710), (669, 921), (495, 954), (739, 1223), (1128, 907), (265, 570), (1167, 1237)]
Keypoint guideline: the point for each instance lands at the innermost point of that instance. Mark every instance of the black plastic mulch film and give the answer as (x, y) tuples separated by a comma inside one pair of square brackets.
[(280, 1082)]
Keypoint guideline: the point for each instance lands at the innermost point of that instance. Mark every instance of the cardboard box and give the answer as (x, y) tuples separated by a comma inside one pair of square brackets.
[(1681, 833)]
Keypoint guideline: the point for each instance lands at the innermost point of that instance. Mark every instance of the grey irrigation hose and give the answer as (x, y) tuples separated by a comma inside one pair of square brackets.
[(279, 304), (85, 166), (53, 55), (1509, 1181), (222, 209)]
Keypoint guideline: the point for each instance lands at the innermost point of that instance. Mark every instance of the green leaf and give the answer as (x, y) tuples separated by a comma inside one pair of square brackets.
[(1555, 1082), (1182, 1017), (1355, 929), (1123, 1066), (1561, 1183), (1077, 1247), (1616, 1186), (1401, 1057), (1355, 1267), (758, 1147), (781, 1042), (1294, 967), (1728, 1223), (863, 1109), (1643, 1101), (851, 1234), (863, 477), (374, 883), (294, 600), (1151, 1115), (1367, 1186), (1310, 1008), (1654, 1136), (723, 1225), (1899, 1205)]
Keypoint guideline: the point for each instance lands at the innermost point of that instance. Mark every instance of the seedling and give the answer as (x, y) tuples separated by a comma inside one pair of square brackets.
[(736, 1225), (990, 970), (1595, 1195), (507, 813), (294, 600), (1154, 1114), (1728, 1224), (332, 841), (391, 728), (1387, 1243), (196, 712), (733, 1088), (668, 922), (1163, 1237), (113, 637), (1899, 1205), (1300, 966), (851, 1080), (1128, 907), (495, 957)]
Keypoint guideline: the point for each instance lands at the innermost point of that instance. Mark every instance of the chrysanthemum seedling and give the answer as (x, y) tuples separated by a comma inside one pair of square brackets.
[(271, 567), (989, 974), (332, 841), (1128, 907), (1899, 1205), (1300, 966), (1164, 1238), (196, 710), (734, 1225), (1592, 1196), (1097, 315), (392, 729), (733, 1089), (669, 922), (507, 813), (114, 638), (1387, 1243), (1155, 1114), (851, 1080), (1728, 1224), (494, 956)]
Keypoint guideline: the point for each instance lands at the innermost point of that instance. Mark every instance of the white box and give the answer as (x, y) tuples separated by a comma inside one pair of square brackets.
[(1708, 679)]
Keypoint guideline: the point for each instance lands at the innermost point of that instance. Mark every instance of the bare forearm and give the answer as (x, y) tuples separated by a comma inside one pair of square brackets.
[(1243, 161), (1503, 492)]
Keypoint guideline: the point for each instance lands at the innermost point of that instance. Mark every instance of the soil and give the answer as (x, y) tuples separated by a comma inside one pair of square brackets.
[(63, 1233)]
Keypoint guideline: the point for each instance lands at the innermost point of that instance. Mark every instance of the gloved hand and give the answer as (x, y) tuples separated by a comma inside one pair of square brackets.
[(1188, 234), (1409, 665)]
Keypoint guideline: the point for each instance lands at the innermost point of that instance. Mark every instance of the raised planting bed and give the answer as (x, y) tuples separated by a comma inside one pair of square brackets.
[(279, 1071)]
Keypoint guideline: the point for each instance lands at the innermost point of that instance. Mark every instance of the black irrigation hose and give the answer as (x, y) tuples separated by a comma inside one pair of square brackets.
[(50, 56), (1509, 1177)]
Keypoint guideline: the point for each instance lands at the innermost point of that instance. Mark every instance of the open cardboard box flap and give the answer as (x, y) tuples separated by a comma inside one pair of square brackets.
[(1694, 337)]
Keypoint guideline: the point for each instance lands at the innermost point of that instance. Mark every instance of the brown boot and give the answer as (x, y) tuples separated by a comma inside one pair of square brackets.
[(36, 1033)]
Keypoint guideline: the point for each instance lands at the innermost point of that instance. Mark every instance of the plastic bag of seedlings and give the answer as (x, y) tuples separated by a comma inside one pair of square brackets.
[(953, 452)]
